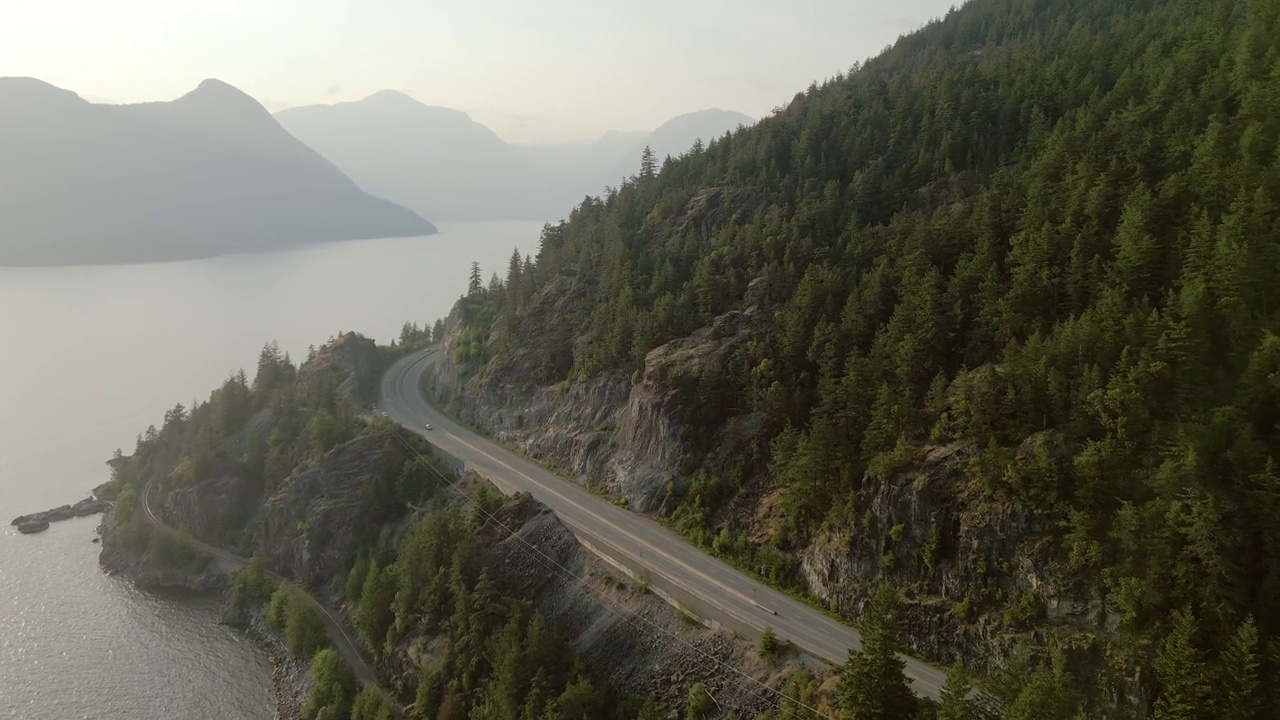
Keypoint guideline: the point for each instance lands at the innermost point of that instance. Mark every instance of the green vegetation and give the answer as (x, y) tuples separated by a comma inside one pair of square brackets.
[(371, 705), (700, 704), (1029, 218), (770, 646), (250, 585), (332, 688), (293, 617), (260, 431), (501, 660)]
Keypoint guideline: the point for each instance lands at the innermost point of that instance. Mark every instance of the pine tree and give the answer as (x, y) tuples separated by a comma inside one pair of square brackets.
[(1048, 694), (956, 703), (1184, 679), (648, 164), (872, 683), (1239, 684), (476, 283)]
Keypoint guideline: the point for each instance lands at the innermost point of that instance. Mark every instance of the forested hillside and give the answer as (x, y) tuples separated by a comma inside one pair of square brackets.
[(992, 317)]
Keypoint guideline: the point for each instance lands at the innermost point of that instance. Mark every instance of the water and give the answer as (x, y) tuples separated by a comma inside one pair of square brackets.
[(89, 356)]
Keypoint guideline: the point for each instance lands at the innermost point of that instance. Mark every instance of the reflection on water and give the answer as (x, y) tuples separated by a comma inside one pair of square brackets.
[(92, 355)]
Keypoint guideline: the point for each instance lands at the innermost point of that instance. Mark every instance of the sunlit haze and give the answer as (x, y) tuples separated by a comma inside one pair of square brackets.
[(535, 72)]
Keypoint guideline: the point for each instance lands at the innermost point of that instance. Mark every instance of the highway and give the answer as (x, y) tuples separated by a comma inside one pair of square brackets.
[(346, 645), (711, 589)]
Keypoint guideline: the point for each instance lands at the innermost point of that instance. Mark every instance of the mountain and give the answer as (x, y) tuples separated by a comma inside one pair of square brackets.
[(442, 164), (434, 160), (616, 144), (990, 320), (208, 173), (673, 137)]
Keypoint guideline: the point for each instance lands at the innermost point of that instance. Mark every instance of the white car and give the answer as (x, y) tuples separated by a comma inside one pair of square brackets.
[(428, 426)]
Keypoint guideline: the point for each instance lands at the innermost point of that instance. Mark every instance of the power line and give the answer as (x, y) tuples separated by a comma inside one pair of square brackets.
[(568, 575)]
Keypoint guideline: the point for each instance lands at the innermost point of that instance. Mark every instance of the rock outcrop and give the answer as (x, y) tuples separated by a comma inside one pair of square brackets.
[(623, 633), (625, 435), (86, 507), (117, 558), (310, 527)]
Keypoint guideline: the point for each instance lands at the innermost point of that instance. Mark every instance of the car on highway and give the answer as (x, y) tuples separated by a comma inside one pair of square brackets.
[(428, 426)]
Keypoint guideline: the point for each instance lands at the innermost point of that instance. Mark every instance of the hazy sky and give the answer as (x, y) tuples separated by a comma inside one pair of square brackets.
[(536, 71)]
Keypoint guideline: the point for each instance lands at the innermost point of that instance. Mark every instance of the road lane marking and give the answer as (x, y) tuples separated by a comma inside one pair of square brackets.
[(923, 676)]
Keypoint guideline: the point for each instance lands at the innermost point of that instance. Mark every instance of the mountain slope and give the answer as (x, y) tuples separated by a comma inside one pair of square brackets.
[(675, 137), (990, 319), (210, 172), (442, 164)]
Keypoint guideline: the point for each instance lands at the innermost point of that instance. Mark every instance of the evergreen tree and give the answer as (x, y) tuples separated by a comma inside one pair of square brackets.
[(1049, 694), (956, 702), (648, 164), (872, 685), (475, 285), (1184, 679), (1238, 681)]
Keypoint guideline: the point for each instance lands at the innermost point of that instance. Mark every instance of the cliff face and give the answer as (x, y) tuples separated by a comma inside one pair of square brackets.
[(978, 575), (310, 527), (221, 503), (353, 362), (118, 558), (625, 635), (625, 435)]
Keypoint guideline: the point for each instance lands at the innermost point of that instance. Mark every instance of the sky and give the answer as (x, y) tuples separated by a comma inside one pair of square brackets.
[(535, 72)]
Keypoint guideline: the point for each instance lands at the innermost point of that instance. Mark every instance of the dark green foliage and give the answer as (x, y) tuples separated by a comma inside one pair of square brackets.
[(1028, 217), (332, 688), (371, 705), (294, 618), (354, 586), (1238, 676), (801, 697), (261, 432), (699, 705), (502, 662), (169, 549), (413, 337), (872, 686), (1050, 693), (770, 645), (956, 702), (250, 585), (374, 614), (419, 480)]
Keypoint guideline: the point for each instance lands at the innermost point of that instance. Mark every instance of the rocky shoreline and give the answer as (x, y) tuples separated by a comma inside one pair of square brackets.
[(117, 560), (290, 676), (39, 522)]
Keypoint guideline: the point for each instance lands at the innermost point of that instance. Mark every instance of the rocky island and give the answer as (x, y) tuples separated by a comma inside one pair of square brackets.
[(39, 522)]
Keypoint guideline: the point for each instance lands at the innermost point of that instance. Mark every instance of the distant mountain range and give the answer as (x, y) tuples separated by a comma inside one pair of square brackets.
[(209, 173), (445, 166)]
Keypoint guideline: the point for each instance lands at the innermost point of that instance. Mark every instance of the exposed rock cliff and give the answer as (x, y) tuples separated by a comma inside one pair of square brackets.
[(117, 557), (626, 435), (310, 527), (978, 574), (626, 635)]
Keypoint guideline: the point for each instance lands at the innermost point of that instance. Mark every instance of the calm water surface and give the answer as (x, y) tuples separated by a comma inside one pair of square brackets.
[(89, 356)]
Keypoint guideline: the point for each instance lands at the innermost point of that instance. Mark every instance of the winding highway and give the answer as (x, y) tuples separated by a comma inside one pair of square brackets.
[(346, 645), (709, 588)]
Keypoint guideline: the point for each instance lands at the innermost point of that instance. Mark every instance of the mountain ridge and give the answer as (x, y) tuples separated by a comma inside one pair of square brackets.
[(206, 173), (444, 164)]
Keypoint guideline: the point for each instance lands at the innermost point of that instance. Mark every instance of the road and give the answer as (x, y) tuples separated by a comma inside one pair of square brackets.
[(346, 645), (718, 592)]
